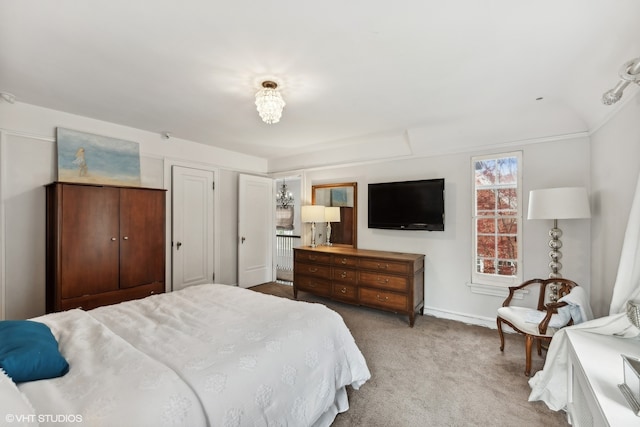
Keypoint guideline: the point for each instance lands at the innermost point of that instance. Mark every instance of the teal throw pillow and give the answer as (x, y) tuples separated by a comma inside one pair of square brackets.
[(29, 351)]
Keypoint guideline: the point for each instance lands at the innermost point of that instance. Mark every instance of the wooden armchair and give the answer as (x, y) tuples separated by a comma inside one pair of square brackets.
[(519, 318)]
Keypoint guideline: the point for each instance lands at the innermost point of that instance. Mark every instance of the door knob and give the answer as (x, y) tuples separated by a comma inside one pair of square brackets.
[(242, 239), (178, 245)]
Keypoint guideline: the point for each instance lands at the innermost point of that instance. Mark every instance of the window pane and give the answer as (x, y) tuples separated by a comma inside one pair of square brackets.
[(486, 225), (507, 225), (486, 246), (485, 172), (508, 199), (507, 247), (485, 201), (507, 170), (486, 266), (507, 268)]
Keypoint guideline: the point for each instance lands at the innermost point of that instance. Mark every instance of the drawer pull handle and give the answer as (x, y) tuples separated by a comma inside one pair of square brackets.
[(381, 280), (312, 285), (343, 290), (383, 266), (343, 274), (343, 261), (313, 257), (382, 299), (313, 269)]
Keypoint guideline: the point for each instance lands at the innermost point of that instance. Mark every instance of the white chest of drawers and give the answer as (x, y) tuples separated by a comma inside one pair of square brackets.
[(595, 370)]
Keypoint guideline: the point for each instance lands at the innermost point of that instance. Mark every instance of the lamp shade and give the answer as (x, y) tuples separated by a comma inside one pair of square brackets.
[(312, 213), (559, 203), (332, 214)]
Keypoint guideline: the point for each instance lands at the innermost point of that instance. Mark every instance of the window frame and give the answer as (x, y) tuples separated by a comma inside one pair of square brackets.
[(489, 278)]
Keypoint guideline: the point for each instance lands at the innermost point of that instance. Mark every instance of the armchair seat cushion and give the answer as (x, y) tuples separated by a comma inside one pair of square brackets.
[(518, 317)]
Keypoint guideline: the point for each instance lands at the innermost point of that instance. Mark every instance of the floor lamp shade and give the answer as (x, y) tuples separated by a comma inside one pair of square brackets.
[(559, 203)]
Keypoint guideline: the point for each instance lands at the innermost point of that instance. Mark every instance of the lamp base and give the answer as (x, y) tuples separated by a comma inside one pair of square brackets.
[(328, 243), (555, 265), (313, 235)]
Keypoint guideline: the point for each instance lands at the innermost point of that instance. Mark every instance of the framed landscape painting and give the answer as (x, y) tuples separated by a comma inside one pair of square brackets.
[(94, 159)]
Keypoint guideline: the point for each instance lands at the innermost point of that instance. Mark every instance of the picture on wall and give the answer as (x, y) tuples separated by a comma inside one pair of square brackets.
[(339, 197), (94, 159)]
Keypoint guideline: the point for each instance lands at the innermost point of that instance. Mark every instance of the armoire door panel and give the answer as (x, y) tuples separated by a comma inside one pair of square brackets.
[(89, 234), (142, 237)]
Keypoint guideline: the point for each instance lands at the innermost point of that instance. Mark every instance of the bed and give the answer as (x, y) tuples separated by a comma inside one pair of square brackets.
[(208, 355)]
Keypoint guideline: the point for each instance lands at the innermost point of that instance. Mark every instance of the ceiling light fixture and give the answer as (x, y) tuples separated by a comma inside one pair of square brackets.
[(269, 102), (629, 73)]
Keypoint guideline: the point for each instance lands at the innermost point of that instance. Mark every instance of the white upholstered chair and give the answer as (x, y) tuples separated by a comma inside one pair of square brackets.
[(537, 324)]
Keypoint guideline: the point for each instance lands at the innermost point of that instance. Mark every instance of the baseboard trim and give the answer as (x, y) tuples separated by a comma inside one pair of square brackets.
[(488, 322)]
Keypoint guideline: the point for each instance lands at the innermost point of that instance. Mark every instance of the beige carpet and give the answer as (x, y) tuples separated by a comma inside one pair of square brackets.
[(438, 373)]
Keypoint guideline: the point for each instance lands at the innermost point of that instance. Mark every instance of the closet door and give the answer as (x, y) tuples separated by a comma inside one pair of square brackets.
[(89, 238), (142, 237)]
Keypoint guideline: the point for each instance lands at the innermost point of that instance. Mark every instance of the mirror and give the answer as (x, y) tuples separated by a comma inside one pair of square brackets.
[(345, 196)]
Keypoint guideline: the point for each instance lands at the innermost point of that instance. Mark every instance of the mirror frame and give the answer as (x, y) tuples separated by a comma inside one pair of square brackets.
[(353, 185)]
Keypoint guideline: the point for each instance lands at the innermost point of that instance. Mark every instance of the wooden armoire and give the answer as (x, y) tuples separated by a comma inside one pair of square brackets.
[(105, 244)]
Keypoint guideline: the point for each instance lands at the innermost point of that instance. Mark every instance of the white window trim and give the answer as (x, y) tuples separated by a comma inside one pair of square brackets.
[(489, 284)]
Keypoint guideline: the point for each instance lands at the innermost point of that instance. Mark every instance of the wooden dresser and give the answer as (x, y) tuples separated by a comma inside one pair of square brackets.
[(105, 244), (390, 281)]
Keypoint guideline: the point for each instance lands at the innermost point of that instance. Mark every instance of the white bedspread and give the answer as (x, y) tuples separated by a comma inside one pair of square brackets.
[(251, 359), (110, 382)]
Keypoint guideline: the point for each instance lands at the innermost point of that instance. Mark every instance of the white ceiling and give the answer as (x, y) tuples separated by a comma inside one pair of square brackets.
[(408, 75)]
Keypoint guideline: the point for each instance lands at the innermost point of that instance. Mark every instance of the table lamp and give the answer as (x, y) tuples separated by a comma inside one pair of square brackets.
[(312, 214)]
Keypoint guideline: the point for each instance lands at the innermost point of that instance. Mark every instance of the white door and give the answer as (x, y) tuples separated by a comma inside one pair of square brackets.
[(192, 227), (255, 230)]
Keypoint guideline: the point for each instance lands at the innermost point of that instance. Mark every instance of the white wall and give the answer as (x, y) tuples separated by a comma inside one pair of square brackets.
[(607, 164), (28, 162), (615, 154), (554, 163)]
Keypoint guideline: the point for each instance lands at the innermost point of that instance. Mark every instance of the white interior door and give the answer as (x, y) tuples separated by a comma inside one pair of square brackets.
[(255, 230), (192, 245)]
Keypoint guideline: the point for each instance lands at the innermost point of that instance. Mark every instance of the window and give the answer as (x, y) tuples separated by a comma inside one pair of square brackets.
[(496, 219)]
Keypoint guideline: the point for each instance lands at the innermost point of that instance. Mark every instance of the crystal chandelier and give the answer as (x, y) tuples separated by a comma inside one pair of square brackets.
[(283, 197), (269, 102)]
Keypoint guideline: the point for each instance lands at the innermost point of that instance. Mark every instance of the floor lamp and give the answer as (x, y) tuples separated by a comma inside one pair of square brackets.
[(331, 214), (312, 214), (555, 204)]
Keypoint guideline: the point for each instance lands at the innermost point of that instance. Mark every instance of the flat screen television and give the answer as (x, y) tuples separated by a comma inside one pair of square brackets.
[(407, 205)]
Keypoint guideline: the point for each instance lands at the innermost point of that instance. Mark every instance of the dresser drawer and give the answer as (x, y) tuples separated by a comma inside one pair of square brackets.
[(314, 257), (384, 281), (316, 270), (344, 261), (316, 286), (385, 265), (345, 275), (383, 299), (344, 292)]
